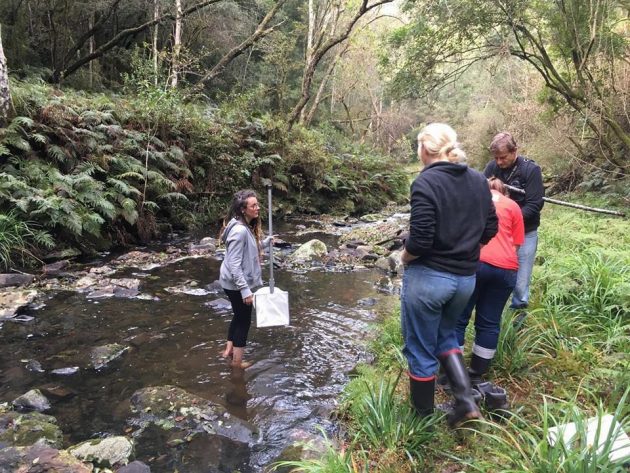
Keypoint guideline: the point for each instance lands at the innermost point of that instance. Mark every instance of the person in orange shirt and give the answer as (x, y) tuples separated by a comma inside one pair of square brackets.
[(496, 278)]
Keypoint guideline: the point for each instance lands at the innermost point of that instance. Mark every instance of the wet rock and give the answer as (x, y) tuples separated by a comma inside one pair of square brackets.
[(108, 452), (206, 246), (214, 287), (34, 366), (395, 262), (54, 269), (171, 407), (67, 371), (11, 301), (16, 279), (309, 251), (371, 218), (23, 429), (57, 392), (103, 355), (219, 304), (22, 319), (279, 243), (367, 301), (67, 253), (135, 467), (100, 287), (33, 400), (303, 446), (377, 234), (40, 459), (189, 288)]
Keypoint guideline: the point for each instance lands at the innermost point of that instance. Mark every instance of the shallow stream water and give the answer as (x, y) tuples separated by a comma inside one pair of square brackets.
[(175, 339)]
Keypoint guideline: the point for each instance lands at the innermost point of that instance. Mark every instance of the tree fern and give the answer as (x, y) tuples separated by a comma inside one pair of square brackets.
[(57, 153)]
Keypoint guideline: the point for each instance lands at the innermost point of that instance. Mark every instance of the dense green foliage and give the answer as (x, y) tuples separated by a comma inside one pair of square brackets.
[(567, 362), (93, 169)]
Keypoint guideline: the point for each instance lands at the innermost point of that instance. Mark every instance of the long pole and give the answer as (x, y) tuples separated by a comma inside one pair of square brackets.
[(271, 282), (569, 204)]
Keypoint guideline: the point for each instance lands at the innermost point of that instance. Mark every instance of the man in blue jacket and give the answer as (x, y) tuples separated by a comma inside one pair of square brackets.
[(522, 173)]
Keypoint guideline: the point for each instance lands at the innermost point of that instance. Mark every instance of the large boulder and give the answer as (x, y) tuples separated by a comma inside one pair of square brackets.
[(24, 429), (309, 251), (107, 452)]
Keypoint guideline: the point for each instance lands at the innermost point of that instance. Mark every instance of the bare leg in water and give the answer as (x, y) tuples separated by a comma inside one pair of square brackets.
[(237, 358), (228, 350)]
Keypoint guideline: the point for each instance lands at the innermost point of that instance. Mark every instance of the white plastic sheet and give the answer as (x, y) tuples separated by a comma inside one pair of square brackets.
[(272, 309)]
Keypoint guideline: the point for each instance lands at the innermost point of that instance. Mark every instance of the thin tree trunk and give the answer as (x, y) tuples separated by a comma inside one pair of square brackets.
[(91, 49), (156, 15), (177, 43), (119, 37), (320, 52), (5, 94), (261, 32)]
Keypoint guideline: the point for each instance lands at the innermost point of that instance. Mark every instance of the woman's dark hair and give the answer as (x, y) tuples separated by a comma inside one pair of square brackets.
[(237, 210), (496, 184)]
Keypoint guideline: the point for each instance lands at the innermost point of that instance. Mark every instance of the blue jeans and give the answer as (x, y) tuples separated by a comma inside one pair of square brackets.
[(430, 304), (492, 290), (526, 257)]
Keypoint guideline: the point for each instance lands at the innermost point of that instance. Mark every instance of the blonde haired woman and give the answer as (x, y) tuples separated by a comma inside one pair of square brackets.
[(452, 215)]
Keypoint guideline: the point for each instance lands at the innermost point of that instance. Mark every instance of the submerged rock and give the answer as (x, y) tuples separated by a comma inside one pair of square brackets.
[(67, 371), (107, 452), (171, 407), (135, 467), (24, 429), (103, 355), (33, 400)]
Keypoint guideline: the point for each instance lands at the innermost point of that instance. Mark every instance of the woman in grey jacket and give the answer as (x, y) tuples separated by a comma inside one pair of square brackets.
[(241, 268)]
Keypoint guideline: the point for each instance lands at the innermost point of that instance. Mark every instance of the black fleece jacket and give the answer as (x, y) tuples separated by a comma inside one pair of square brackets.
[(452, 214), (524, 174)]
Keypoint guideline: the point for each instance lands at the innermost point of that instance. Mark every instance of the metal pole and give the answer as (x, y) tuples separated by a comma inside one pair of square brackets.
[(569, 204), (271, 282)]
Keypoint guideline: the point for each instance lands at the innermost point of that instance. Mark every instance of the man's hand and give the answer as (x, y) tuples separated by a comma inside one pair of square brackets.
[(407, 257), (248, 300)]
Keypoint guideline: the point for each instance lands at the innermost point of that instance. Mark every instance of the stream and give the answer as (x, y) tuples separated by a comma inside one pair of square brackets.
[(174, 338)]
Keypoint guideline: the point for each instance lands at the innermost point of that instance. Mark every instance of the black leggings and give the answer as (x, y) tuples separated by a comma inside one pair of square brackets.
[(242, 320)]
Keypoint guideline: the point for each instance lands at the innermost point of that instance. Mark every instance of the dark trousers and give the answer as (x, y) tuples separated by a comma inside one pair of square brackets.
[(492, 290), (241, 321)]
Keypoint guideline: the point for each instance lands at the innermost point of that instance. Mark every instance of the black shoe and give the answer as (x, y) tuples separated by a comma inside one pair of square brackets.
[(519, 319)]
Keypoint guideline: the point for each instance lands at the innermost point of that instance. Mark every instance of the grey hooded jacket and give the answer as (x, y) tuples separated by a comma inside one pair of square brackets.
[(241, 268)]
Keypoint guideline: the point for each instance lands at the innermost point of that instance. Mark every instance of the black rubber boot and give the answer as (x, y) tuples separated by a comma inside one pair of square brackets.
[(478, 367), (465, 407), (422, 395), (495, 399)]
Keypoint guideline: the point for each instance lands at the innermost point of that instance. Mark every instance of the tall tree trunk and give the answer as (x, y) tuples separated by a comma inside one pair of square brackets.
[(177, 43), (5, 95), (91, 49), (156, 15)]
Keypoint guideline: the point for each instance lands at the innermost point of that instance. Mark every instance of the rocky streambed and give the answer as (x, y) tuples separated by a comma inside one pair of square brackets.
[(113, 365)]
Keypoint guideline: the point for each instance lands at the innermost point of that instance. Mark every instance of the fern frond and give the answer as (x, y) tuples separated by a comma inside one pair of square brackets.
[(173, 196), (57, 153)]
